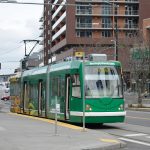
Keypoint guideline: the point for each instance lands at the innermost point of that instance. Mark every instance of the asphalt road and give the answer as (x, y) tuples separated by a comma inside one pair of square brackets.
[(135, 131), (138, 118)]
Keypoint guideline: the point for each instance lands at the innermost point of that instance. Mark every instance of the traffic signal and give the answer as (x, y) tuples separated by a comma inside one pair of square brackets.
[(0, 65)]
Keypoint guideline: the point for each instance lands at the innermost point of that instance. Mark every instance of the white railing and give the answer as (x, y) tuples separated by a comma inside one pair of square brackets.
[(63, 29), (59, 20)]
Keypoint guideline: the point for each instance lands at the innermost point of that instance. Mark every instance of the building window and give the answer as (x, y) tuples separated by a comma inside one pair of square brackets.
[(131, 23), (84, 22), (131, 10), (84, 33), (106, 34), (106, 22), (130, 34), (82, 9), (107, 9)]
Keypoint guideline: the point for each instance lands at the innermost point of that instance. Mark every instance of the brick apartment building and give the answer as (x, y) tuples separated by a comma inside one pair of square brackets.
[(146, 29), (90, 26)]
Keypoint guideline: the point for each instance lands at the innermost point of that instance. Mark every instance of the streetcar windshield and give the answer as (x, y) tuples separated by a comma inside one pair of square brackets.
[(103, 81)]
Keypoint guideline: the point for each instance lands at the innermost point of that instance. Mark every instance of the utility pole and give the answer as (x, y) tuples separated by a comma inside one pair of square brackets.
[(25, 60), (116, 32), (28, 41), (115, 27)]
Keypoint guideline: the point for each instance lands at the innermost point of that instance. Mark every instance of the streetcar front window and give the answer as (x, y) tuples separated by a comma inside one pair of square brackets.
[(103, 81)]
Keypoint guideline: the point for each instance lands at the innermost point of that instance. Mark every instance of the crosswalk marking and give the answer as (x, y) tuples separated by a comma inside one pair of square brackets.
[(138, 134), (135, 141)]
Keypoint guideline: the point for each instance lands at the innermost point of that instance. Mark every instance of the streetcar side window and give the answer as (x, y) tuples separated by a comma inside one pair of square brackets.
[(76, 91)]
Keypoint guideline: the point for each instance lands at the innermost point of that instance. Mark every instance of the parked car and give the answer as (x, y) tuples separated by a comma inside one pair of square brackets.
[(5, 98)]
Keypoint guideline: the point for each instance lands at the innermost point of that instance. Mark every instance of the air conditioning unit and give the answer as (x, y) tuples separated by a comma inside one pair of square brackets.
[(98, 57)]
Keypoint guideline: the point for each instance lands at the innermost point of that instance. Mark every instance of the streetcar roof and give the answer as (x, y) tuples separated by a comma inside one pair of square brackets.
[(74, 64)]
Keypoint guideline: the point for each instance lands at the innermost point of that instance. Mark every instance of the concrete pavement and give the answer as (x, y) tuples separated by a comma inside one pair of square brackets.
[(20, 132), (131, 101)]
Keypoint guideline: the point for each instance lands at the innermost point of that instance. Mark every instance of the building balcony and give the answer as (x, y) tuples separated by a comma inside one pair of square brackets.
[(94, 1), (59, 21), (124, 13), (41, 19), (42, 34), (131, 1), (131, 26), (94, 26), (58, 33), (111, 1), (84, 25), (59, 9), (103, 26), (41, 27), (55, 2), (83, 11), (41, 42), (132, 13)]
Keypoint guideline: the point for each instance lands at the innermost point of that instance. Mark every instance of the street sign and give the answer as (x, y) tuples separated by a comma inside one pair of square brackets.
[(79, 54), (58, 108)]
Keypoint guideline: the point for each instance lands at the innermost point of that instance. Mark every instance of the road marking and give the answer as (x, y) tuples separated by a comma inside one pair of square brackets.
[(139, 134), (109, 140), (134, 141), (138, 118)]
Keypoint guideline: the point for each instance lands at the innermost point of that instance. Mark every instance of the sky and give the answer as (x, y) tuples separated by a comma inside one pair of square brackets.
[(17, 23)]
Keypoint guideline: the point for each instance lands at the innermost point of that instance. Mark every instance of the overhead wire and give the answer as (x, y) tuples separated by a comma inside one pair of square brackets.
[(9, 51), (51, 4), (13, 49)]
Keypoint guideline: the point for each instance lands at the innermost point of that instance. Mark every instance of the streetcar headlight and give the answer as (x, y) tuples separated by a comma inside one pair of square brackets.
[(88, 107), (121, 107)]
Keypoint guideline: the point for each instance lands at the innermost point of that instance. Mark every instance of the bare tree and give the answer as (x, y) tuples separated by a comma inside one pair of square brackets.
[(140, 65)]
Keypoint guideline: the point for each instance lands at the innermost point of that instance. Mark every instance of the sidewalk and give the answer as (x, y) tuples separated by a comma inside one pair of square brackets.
[(131, 100), (136, 108), (20, 132)]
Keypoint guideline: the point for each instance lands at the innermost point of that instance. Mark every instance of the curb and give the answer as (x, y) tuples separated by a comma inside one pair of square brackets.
[(110, 147), (138, 109)]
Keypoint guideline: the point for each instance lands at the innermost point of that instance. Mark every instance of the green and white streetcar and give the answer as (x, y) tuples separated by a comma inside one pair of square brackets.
[(95, 85)]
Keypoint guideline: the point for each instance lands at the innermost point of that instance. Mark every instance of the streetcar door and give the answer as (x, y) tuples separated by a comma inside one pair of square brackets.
[(40, 98), (67, 97), (24, 97)]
